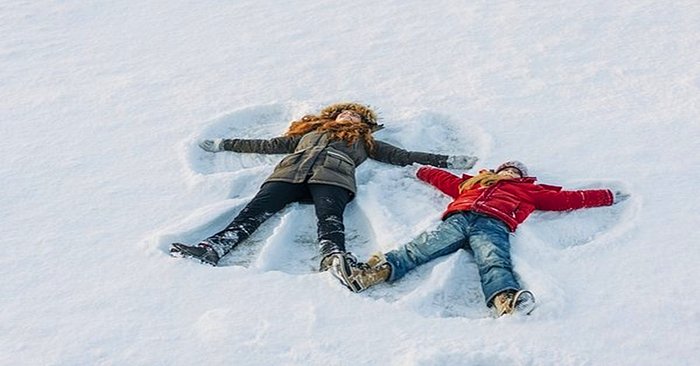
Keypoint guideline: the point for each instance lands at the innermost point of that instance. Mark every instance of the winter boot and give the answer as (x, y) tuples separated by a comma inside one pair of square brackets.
[(374, 272), (503, 303), (344, 267), (327, 262), (203, 252), (510, 301), (376, 259)]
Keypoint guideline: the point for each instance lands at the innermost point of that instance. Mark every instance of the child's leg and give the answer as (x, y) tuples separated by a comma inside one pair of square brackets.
[(445, 239), (488, 239)]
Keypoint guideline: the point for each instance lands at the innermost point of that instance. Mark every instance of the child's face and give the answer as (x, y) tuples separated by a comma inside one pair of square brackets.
[(510, 172)]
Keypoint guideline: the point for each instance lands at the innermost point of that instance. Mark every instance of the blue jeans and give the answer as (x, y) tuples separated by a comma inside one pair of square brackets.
[(485, 236)]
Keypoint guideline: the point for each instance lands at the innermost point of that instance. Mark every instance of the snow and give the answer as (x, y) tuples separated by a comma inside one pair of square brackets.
[(102, 104)]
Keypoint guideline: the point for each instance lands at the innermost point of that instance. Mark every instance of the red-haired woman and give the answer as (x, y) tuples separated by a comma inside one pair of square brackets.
[(324, 151)]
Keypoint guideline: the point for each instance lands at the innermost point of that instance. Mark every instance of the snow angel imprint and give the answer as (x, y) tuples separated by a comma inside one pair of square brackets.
[(323, 153), (485, 210)]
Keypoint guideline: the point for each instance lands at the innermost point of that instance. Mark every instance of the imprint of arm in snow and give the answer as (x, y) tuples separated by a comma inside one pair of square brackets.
[(579, 227), (540, 240), (436, 133), (399, 206), (292, 245), (256, 122)]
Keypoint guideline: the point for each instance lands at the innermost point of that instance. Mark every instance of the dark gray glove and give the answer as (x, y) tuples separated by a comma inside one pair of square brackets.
[(215, 145), (461, 161)]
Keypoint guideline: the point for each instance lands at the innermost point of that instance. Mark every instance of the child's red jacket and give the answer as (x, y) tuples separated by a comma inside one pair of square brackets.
[(512, 200)]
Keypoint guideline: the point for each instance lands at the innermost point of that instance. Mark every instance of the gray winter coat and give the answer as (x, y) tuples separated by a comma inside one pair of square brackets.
[(314, 159)]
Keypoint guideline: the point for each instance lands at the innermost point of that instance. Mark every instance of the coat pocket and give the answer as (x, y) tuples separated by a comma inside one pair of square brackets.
[(339, 163), (290, 159)]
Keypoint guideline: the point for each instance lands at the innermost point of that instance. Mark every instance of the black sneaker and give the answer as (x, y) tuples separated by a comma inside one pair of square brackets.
[(202, 252)]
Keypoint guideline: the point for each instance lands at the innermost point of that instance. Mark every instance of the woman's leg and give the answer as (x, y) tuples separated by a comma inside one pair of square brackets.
[(270, 199), (489, 240), (447, 238), (329, 202)]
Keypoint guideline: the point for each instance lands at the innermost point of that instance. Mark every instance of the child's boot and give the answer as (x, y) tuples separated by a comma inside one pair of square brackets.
[(502, 303), (375, 271), (511, 301)]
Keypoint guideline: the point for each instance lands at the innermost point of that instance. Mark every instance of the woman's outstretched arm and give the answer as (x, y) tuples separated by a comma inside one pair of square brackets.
[(277, 145), (388, 153)]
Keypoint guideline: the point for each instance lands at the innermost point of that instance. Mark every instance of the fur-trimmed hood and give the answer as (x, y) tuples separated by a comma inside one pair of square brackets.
[(368, 115)]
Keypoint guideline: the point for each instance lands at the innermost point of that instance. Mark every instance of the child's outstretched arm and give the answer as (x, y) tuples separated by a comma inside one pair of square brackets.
[(277, 145), (445, 181), (551, 200)]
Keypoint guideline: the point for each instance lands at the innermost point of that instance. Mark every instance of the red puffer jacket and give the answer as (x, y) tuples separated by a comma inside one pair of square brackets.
[(513, 200)]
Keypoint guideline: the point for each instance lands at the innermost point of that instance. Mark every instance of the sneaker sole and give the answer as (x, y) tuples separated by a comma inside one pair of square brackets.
[(526, 306)]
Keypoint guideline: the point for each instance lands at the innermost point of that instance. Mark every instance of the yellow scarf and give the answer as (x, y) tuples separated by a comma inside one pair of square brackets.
[(485, 178)]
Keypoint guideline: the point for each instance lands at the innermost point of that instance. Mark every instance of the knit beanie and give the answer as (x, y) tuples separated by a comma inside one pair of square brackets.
[(513, 164)]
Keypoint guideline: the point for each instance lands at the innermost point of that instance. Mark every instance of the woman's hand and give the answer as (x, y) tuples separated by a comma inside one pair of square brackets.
[(461, 161), (215, 145)]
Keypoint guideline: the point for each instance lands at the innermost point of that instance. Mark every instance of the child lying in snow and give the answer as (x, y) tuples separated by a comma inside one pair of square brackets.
[(486, 208)]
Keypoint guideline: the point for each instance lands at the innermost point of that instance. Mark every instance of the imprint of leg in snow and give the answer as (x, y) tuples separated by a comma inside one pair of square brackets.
[(539, 241), (209, 220), (292, 247), (398, 205), (286, 242), (198, 225), (446, 287)]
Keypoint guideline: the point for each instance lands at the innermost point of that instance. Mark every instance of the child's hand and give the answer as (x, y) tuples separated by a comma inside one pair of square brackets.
[(461, 161), (215, 145), (619, 196)]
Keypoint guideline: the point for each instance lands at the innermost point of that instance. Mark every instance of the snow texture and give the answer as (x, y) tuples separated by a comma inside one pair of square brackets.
[(102, 105)]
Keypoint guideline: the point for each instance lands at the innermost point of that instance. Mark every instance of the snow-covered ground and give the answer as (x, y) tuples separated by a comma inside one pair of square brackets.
[(102, 103)]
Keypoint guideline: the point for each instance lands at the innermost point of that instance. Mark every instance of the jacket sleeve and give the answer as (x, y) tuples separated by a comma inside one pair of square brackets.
[(551, 200), (388, 153), (277, 145), (446, 182)]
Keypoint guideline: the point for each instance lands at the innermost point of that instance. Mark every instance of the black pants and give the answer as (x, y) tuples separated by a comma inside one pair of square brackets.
[(329, 201)]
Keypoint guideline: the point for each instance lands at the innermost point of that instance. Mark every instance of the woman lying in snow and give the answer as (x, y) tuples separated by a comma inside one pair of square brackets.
[(486, 208), (324, 151)]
